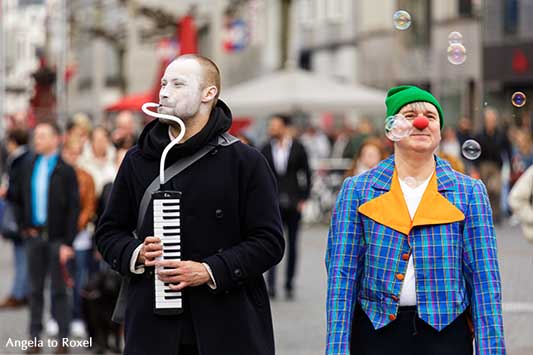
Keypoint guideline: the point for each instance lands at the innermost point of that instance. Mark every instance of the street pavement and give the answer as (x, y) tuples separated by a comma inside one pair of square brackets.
[(299, 325)]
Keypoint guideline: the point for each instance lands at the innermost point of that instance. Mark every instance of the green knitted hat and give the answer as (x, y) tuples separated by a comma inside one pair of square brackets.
[(399, 96)]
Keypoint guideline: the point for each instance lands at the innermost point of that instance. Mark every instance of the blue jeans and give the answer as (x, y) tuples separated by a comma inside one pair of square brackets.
[(21, 287)]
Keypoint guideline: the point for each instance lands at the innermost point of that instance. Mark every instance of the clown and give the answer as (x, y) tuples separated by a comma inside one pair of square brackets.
[(411, 257)]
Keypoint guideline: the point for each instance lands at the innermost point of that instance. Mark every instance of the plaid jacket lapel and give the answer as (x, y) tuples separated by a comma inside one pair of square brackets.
[(389, 209)]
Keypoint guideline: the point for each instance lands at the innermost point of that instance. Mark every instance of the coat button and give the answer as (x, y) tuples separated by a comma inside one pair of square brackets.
[(237, 272), (395, 298), (214, 151), (400, 277), (219, 213), (405, 256), (115, 264), (220, 250), (392, 317)]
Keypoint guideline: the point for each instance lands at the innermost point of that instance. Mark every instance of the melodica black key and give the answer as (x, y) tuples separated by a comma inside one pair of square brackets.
[(167, 226)]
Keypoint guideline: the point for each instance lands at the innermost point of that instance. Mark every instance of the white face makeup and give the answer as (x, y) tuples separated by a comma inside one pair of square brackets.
[(180, 94)]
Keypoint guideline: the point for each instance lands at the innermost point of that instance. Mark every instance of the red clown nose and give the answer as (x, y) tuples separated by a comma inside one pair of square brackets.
[(420, 122)]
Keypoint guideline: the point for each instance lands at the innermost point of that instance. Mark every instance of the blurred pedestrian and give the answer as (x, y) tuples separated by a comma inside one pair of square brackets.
[(18, 157), (521, 202), (316, 145), (82, 244), (522, 157), (364, 130), (495, 149), (369, 155), (411, 253), (124, 135), (80, 126), (288, 159), (99, 160), (230, 227), (50, 204)]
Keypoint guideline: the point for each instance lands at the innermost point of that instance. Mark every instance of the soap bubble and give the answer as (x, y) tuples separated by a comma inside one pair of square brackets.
[(455, 38), (518, 99), (471, 149), (456, 53), (410, 181), (402, 20), (397, 127)]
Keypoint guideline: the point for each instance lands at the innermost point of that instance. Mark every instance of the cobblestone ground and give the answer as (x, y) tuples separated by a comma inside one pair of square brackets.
[(300, 325)]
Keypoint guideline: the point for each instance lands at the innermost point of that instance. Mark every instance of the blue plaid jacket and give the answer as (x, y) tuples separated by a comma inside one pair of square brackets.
[(454, 252)]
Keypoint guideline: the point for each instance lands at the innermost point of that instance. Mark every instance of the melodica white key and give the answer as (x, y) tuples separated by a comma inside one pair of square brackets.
[(167, 227)]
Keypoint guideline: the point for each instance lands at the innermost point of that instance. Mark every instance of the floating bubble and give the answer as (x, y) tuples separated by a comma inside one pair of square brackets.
[(485, 104), (471, 149), (518, 99), (455, 38), (402, 20), (456, 53), (397, 127), (410, 181)]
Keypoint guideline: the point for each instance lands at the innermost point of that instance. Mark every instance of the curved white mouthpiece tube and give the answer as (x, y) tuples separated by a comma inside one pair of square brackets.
[(172, 143)]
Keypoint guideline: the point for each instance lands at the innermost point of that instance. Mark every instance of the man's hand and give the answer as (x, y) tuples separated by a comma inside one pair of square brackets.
[(151, 249), (183, 274), (65, 253)]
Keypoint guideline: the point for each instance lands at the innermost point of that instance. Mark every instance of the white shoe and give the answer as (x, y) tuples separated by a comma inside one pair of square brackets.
[(77, 329), (52, 329)]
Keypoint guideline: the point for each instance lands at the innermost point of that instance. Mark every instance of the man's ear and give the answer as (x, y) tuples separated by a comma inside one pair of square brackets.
[(209, 93)]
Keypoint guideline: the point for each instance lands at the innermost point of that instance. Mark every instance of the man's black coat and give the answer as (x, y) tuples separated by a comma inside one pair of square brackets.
[(230, 220), (63, 201), (295, 184)]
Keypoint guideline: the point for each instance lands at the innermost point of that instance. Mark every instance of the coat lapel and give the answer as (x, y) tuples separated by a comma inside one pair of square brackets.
[(390, 209)]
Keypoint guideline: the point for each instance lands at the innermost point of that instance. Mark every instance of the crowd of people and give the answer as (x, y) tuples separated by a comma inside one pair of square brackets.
[(56, 187)]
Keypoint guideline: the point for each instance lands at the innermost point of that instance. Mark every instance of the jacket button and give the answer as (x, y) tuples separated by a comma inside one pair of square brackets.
[(219, 213), (400, 277), (405, 256), (392, 317), (214, 151), (220, 250), (237, 272), (395, 298), (114, 264)]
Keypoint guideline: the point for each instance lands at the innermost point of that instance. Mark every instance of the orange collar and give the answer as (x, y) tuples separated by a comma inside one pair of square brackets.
[(391, 210)]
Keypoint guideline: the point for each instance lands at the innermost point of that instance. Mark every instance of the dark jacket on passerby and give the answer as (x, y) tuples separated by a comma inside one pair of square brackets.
[(63, 201), (295, 185), (494, 147), (15, 169), (229, 219)]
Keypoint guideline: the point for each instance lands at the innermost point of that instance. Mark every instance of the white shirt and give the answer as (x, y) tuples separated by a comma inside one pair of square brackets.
[(280, 154), (412, 196)]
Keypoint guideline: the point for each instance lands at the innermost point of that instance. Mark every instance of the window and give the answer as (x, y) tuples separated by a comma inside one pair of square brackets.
[(510, 17), (336, 10), (465, 8)]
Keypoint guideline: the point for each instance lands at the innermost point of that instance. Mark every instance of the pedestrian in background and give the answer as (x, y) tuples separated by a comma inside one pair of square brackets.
[(411, 253), (18, 157), (370, 154), (288, 159), (495, 150), (83, 244), (521, 202), (50, 207), (99, 160)]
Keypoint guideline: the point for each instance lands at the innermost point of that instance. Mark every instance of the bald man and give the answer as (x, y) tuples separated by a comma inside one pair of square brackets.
[(230, 228)]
